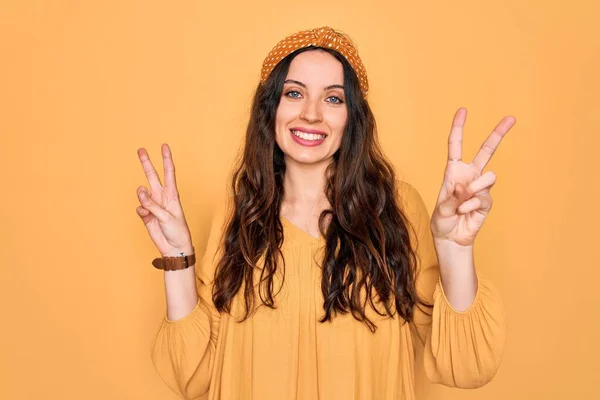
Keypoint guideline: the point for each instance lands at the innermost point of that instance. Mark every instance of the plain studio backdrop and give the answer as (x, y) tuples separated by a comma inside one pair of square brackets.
[(84, 84)]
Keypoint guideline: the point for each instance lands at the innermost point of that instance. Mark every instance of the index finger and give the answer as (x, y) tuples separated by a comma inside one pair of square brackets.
[(168, 166), (151, 174)]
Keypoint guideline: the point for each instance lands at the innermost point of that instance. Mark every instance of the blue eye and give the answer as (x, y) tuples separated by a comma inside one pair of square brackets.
[(294, 96)]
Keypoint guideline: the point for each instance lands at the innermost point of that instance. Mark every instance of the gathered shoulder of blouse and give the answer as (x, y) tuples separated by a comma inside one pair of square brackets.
[(285, 353)]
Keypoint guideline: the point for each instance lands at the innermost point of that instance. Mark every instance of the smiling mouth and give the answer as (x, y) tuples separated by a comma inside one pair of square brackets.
[(308, 136)]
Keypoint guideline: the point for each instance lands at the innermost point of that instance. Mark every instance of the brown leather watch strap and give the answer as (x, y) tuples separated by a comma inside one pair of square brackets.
[(174, 263)]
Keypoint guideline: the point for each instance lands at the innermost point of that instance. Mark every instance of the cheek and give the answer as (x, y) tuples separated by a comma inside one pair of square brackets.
[(285, 114), (283, 118), (338, 122), (336, 144)]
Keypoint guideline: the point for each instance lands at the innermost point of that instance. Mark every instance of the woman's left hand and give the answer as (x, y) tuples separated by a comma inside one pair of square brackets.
[(464, 200)]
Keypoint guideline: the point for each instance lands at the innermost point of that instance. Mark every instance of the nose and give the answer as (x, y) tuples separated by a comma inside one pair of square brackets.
[(311, 111)]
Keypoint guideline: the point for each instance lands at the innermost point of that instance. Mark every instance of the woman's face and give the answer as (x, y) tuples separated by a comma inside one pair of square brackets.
[(312, 112)]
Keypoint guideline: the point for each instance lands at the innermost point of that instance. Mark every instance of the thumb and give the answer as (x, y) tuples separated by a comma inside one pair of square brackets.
[(458, 194), (146, 200)]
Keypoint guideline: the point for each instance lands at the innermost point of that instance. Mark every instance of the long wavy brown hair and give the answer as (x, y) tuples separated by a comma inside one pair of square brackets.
[(368, 248)]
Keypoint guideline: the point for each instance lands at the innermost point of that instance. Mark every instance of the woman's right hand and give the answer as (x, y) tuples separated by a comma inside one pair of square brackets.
[(161, 209)]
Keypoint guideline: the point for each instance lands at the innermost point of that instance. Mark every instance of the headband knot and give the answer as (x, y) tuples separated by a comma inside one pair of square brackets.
[(324, 37)]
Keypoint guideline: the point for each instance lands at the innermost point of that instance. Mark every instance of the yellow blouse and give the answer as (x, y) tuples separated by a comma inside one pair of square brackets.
[(286, 354)]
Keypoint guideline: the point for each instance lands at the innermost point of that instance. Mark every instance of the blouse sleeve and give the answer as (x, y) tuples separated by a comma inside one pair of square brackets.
[(183, 350), (462, 348)]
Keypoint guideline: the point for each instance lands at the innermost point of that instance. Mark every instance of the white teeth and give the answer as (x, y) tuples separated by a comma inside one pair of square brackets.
[(308, 136)]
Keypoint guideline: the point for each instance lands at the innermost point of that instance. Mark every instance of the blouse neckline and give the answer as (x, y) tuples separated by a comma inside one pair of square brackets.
[(301, 233)]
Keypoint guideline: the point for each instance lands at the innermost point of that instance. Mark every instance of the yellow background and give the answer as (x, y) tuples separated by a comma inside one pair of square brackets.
[(84, 84)]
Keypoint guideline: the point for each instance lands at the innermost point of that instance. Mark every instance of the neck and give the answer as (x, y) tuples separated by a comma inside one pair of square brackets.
[(304, 187)]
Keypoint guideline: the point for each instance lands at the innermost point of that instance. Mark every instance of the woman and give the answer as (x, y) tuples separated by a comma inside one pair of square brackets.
[(324, 271)]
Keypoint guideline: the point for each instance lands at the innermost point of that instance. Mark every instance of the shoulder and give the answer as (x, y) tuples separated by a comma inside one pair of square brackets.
[(412, 205), (409, 198), (406, 191), (206, 267)]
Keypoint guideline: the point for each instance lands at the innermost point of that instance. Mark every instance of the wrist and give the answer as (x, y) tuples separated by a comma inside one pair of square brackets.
[(187, 250), (451, 245)]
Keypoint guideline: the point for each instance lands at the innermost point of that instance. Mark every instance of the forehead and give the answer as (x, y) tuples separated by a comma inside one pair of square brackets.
[(316, 66)]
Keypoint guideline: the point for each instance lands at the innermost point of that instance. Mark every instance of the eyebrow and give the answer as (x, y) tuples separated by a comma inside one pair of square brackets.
[(304, 86)]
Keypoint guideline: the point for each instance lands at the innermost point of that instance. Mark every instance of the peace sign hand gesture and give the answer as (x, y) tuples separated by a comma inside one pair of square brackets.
[(464, 200), (161, 209)]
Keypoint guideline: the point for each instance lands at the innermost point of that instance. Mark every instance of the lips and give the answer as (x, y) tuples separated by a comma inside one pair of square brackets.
[(315, 141), (308, 130)]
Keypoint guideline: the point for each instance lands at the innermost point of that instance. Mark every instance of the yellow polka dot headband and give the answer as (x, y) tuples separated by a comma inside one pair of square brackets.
[(322, 37)]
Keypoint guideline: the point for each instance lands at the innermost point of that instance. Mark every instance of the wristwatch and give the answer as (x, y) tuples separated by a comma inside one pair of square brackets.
[(174, 263)]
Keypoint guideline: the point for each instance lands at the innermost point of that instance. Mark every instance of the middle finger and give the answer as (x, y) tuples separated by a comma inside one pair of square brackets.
[(151, 174), (490, 145)]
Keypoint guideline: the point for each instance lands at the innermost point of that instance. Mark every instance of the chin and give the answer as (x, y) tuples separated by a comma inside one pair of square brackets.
[(304, 158), (306, 155)]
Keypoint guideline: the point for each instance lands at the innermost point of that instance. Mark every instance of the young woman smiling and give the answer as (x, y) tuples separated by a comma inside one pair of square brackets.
[(322, 264)]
